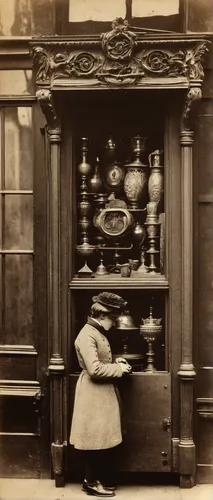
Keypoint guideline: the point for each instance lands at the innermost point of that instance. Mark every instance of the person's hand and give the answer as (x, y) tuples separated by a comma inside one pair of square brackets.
[(121, 360), (125, 367)]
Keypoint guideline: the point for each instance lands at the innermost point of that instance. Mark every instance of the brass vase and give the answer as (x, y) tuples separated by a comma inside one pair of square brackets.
[(155, 183), (135, 182), (84, 168)]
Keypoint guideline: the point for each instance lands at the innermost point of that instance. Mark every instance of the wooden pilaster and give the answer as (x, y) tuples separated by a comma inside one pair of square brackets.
[(186, 371), (56, 365)]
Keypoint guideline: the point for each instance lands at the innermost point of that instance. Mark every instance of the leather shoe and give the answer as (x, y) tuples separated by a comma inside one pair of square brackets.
[(96, 489), (109, 487)]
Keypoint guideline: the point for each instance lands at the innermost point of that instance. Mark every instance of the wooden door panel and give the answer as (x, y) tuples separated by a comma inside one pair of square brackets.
[(19, 456), (147, 402), (24, 408), (17, 367)]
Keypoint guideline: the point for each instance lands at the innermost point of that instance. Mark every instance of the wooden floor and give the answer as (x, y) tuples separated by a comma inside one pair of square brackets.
[(44, 489)]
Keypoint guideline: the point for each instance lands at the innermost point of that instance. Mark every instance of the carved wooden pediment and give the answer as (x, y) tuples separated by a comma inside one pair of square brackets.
[(121, 58)]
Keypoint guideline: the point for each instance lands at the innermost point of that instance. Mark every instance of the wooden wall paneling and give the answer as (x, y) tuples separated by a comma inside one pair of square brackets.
[(208, 84), (204, 382), (23, 408), (19, 456), (204, 442), (203, 312), (17, 367), (19, 446), (205, 347)]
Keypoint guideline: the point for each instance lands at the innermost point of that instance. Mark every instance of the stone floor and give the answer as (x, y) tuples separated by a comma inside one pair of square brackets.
[(44, 489)]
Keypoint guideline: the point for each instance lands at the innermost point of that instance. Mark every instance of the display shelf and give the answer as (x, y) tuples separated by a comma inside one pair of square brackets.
[(149, 282)]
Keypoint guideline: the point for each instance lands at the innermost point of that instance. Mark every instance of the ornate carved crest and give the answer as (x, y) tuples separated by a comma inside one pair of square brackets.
[(118, 44)]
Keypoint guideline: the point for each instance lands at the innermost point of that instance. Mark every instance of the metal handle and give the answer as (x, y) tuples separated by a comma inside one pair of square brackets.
[(166, 424)]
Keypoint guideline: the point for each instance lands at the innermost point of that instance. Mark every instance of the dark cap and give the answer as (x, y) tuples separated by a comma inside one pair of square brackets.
[(110, 300)]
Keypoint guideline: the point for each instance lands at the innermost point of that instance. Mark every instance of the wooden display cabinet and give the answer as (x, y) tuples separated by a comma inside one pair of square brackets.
[(88, 88), (123, 115)]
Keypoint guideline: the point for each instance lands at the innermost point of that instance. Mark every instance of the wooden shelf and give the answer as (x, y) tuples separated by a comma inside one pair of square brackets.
[(157, 282)]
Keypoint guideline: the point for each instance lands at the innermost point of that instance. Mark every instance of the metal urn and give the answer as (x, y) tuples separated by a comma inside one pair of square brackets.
[(113, 171), (126, 326), (150, 329)]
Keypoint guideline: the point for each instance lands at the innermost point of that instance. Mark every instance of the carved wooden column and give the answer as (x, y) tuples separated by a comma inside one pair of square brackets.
[(56, 365), (187, 456)]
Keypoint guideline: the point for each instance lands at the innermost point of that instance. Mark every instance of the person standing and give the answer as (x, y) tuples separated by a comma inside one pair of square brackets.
[(96, 426)]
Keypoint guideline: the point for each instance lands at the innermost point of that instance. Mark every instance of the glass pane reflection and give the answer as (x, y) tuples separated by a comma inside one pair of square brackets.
[(18, 222), (16, 82), (15, 17), (18, 299), (18, 148)]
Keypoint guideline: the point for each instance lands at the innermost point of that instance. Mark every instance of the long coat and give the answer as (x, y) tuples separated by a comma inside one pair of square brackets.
[(96, 421)]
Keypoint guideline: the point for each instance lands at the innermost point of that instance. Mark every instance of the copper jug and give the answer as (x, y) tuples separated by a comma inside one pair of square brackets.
[(95, 183)]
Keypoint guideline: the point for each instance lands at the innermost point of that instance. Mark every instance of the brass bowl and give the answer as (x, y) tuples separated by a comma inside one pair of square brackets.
[(150, 331)]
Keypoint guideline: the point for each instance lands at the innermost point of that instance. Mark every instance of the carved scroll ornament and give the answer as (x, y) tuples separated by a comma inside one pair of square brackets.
[(52, 64), (193, 95), (44, 97)]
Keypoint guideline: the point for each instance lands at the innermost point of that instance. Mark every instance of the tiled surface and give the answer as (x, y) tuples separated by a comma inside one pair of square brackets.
[(35, 489)]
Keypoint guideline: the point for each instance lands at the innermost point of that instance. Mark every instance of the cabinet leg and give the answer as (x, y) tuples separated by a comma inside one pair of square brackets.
[(59, 481), (57, 461), (187, 481)]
